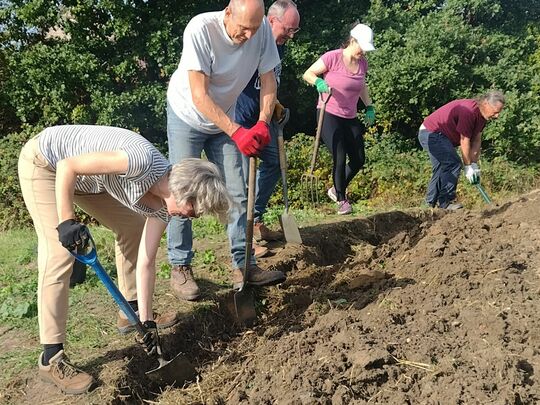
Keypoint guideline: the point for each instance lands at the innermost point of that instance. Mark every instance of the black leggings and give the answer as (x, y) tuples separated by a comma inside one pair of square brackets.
[(343, 137)]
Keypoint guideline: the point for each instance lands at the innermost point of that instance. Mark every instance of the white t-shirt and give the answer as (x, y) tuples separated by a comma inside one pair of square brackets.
[(208, 49)]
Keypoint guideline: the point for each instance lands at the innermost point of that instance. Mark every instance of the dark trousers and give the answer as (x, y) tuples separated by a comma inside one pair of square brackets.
[(446, 167), (344, 137)]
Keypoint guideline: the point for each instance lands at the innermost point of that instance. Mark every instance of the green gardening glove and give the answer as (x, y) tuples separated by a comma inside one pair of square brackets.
[(370, 115), (322, 86)]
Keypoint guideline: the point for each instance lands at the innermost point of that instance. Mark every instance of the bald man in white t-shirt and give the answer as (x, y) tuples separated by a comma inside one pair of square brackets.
[(221, 52)]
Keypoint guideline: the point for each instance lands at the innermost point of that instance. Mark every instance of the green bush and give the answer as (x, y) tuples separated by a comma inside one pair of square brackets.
[(12, 209)]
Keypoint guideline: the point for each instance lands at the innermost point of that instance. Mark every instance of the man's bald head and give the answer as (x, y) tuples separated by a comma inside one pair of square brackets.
[(243, 18)]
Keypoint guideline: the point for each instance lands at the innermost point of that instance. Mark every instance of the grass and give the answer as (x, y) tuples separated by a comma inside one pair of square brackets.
[(18, 276), (18, 301), (207, 227)]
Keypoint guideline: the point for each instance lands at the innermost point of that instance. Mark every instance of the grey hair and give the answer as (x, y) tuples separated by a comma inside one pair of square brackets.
[(279, 7), (493, 97), (200, 183)]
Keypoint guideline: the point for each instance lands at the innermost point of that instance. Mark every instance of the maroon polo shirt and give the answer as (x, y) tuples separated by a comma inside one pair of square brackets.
[(458, 117)]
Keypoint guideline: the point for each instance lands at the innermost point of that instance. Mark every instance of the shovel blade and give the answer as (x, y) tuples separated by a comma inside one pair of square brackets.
[(290, 229), (175, 372), (244, 307)]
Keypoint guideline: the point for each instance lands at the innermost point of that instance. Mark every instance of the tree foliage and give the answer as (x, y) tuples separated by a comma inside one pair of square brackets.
[(108, 62)]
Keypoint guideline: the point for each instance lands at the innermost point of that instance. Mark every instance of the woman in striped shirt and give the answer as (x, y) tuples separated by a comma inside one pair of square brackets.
[(122, 180)]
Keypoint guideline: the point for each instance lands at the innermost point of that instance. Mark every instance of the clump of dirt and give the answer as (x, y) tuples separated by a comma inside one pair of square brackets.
[(416, 307)]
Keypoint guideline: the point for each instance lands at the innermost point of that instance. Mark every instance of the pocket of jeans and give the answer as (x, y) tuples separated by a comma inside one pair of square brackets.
[(40, 161)]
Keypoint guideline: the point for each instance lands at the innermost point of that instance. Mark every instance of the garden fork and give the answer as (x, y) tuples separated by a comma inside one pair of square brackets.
[(310, 181)]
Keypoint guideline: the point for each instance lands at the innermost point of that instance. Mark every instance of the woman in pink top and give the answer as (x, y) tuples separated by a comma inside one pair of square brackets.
[(344, 71)]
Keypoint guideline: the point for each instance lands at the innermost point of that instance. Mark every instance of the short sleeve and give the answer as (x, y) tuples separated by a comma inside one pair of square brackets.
[(269, 53), (328, 60), (196, 54), (140, 162), (465, 125)]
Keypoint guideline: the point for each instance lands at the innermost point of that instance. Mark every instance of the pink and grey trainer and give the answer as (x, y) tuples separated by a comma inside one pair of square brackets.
[(344, 207)]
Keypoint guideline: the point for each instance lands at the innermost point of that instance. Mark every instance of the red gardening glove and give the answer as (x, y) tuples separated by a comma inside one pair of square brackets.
[(262, 129), (247, 141)]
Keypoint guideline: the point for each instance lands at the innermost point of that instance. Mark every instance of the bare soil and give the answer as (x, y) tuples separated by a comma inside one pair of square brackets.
[(415, 307)]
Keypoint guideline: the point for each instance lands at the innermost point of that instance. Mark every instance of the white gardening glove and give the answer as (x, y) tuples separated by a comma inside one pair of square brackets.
[(472, 172)]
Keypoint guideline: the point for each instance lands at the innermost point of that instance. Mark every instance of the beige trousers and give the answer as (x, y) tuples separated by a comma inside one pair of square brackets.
[(55, 263)]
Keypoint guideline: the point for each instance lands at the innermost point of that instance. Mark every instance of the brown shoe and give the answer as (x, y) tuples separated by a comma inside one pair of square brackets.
[(262, 232), (258, 277), (64, 375), (183, 284), (258, 250), (162, 321)]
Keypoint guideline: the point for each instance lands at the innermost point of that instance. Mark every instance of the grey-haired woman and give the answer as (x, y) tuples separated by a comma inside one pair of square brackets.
[(122, 180)]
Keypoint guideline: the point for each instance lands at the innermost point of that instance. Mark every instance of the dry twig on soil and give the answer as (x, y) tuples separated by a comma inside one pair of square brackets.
[(423, 366)]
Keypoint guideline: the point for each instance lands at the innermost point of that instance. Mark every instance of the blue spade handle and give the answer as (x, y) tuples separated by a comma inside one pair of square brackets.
[(90, 258)]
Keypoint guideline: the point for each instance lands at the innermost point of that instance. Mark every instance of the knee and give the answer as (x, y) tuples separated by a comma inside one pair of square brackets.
[(455, 167)]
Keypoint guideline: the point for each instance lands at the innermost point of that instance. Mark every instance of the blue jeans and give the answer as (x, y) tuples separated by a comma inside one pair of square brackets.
[(185, 141), (446, 167), (268, 172)]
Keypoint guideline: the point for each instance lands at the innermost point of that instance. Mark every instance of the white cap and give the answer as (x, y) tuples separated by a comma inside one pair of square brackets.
[(364, 36)]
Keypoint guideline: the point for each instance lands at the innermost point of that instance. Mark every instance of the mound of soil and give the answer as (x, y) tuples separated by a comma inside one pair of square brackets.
[(400, 308), (416, 307)]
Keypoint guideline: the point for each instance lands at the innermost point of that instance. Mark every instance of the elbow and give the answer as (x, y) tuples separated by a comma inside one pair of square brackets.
[(198, 100), (305, 76)]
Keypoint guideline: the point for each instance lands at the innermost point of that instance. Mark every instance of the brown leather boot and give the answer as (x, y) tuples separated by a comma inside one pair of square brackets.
[(262, 232), (258, 250), (64, 375), (183, 284), (258, 277), (162, 321)]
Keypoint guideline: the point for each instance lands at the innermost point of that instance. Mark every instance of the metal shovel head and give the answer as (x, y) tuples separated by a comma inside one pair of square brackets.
[(290, 229), (244, 306), (175, 372)]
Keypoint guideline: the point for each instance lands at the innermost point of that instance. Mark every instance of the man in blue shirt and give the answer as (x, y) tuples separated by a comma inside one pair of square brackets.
[(284, 20)]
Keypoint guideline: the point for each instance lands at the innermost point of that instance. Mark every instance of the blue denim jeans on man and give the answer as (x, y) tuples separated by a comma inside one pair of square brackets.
[(185, 142), (446, 167), (268, 172)]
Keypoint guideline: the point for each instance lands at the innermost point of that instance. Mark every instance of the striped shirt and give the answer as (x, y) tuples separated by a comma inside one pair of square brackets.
[(146, 165)]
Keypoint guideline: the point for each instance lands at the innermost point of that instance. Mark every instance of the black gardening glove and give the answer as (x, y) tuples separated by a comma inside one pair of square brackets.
[(73, 235), (150, 341)]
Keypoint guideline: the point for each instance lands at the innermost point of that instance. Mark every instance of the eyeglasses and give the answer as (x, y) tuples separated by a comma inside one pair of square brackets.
[(290, 30)]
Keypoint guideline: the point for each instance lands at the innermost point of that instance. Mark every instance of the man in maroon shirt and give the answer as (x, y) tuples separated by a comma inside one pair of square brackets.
[(458, 123)]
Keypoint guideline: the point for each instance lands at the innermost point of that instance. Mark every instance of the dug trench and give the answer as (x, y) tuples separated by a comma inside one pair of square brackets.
[(414, 307)]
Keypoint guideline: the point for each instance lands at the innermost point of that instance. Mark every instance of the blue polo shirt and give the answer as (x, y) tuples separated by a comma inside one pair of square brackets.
[(248, 103)]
